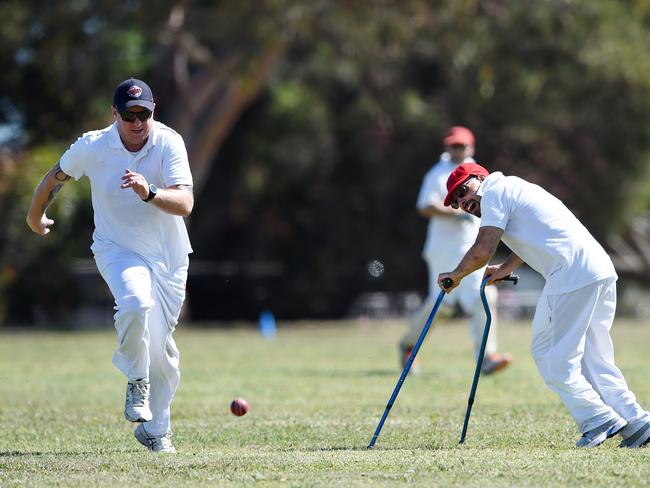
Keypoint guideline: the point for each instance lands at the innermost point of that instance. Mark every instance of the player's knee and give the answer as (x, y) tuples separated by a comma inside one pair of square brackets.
[(134, 305), (557, 380), (555, 374)]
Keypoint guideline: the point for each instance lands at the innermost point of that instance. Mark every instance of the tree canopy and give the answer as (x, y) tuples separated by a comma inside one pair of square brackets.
[(310, 125)]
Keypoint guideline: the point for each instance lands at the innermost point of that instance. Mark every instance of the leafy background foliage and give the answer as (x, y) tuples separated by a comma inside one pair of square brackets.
[(310, 126)]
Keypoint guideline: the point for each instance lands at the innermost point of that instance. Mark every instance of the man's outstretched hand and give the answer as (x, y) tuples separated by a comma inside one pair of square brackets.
[(40, 226)]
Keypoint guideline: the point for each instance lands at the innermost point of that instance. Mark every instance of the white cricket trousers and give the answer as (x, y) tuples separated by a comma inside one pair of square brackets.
[(467, 294), (574, 353), (148, 301)]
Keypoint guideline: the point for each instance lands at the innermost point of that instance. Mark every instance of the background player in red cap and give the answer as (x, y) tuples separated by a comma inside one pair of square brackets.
[(450, 234), (571, 343)]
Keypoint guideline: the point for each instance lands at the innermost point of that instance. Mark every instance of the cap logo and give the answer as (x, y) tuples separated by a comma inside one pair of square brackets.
[(134, 91)]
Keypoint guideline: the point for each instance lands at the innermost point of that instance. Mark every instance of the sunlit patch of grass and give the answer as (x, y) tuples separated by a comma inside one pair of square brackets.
[(316, 394)]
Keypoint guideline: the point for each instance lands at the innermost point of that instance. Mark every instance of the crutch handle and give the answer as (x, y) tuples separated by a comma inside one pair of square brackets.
[(513, 277), (447, 282)]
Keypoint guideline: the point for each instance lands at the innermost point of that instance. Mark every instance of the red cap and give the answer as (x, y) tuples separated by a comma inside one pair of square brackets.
[(460, 175), (459, 135)]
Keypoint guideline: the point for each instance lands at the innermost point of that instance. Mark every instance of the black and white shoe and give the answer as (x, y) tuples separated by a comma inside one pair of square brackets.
[(155, 443), (640, 438), (595, 437)]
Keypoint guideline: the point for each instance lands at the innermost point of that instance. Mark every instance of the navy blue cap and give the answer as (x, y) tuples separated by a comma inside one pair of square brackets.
[(132, 93)]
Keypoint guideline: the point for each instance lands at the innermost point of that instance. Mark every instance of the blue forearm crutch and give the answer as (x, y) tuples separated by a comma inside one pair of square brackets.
[(481, 352), (409, 362)]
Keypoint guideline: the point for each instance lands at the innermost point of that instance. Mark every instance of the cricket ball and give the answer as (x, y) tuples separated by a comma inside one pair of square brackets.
[(239, 407)]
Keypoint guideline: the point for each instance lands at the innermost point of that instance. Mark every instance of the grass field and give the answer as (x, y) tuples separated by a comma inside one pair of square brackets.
[(316, 393)]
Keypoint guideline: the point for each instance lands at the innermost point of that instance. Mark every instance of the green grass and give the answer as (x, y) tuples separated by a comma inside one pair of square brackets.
[(316, 393)]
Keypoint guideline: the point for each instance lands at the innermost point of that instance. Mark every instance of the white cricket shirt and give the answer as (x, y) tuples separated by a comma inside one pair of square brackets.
[(121, 217), (543, 232), (444, 232)]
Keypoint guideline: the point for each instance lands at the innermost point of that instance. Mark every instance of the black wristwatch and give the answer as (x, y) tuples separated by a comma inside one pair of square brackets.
[(153, 190)]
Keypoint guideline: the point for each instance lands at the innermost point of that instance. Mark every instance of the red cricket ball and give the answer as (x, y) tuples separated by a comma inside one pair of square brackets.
[(239, 407)]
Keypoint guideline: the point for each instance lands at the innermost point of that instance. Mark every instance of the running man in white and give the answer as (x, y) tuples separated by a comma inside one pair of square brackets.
[(450, 234), (571, 343), (141, 189)]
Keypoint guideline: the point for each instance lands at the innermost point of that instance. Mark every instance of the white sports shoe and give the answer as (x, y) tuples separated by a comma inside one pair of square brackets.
[(155, 443), (595, 437), (136, 407)]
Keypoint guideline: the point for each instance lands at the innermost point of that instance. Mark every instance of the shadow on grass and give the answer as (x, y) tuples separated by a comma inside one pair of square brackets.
[(18, 454), (10, 454), (339, 373), (427, 447), (336, 448)]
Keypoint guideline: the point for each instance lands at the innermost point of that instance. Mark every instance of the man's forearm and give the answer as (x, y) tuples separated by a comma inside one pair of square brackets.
[(47, 190), (177, 200), (512, 263), (44, 195), (439, 210), (481, 251), (476, 257)]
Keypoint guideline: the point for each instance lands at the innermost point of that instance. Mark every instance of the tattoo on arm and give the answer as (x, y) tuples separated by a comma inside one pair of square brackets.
[(59, 174), (51, 196), (60, 177)]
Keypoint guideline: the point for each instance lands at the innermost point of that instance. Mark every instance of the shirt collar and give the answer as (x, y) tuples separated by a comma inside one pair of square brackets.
[(114, 140), (497, 175)]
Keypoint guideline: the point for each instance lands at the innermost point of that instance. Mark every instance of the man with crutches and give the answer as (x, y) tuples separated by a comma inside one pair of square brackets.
[(571, 343)]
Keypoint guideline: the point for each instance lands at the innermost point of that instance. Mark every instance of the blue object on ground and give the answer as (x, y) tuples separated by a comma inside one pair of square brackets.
[(267, 324)]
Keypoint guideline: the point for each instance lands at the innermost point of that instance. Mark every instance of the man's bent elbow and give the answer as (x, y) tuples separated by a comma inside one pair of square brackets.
[(187, 209)]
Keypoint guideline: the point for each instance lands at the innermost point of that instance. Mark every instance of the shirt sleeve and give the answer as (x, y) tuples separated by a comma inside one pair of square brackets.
[(72, 161), (176, 165), (495, 210)]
